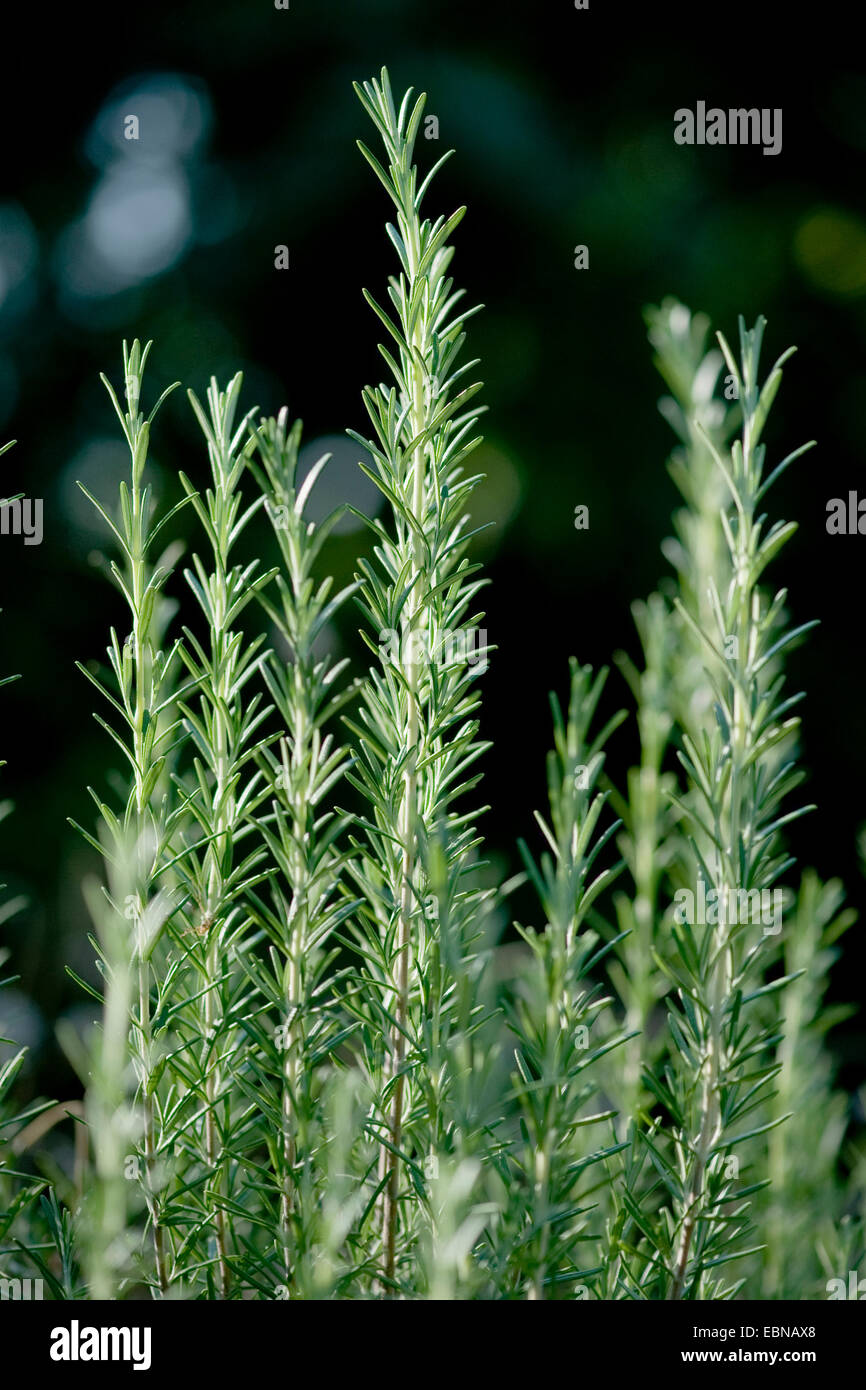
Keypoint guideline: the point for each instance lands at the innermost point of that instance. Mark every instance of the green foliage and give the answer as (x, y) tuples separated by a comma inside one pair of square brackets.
[(806, 1202), (722, 1061), (417, 736), (319, 1071), (299, 907), (554, 1018)]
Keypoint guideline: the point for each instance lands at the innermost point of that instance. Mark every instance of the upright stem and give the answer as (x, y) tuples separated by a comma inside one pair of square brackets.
[(421, 442), (290, 1077), (542, 1177), (743, 810), (389, 1160), (148, 1118), (143, 674), (296, 946), (302, 905), (219, 674), (224, 818), (212, 1140), (710, 1123)]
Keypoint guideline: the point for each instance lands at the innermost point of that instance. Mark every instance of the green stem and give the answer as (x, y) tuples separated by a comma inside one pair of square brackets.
[(143, 675), (389, 1159)]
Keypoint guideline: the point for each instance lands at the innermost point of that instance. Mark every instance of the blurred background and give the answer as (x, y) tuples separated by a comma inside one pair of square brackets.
[(563, 125)]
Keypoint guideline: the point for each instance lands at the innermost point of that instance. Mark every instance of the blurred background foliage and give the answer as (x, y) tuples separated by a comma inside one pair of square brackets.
[(563, 125)]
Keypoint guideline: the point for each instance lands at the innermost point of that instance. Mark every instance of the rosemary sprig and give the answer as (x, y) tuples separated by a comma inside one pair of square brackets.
[(417, 736)]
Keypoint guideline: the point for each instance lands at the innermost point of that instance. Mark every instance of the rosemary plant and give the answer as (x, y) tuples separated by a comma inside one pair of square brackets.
[(140, 694), (315, 1074), (110, 1213), (672, 693), (303, 837), (721, 1061), (556, 1011), (417, 735), (648, 846), (804, 1193), (218, 864)]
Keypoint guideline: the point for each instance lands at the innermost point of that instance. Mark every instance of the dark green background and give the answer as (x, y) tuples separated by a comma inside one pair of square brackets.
[(563, 125)]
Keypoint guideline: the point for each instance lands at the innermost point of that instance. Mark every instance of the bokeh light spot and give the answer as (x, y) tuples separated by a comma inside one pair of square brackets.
[(830, 247)]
